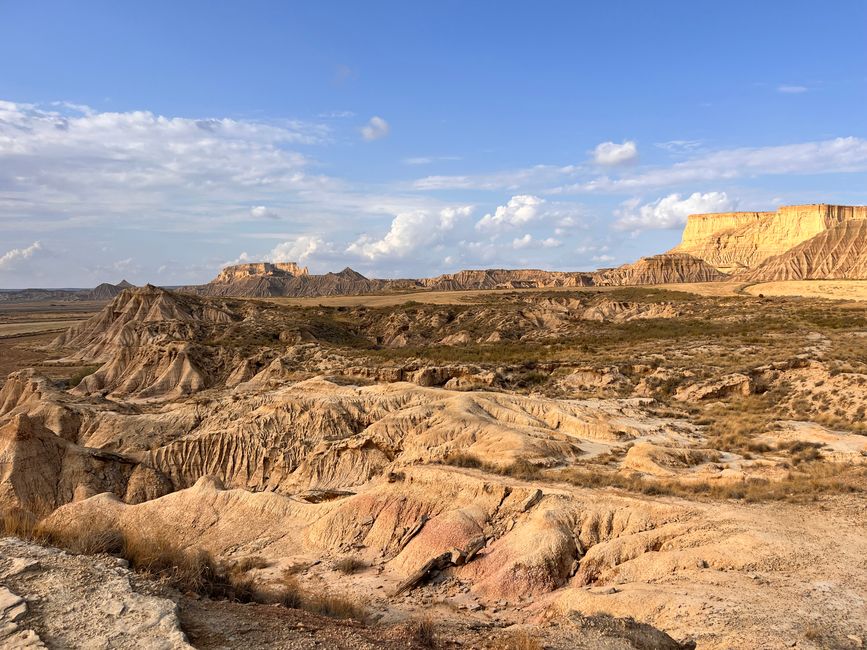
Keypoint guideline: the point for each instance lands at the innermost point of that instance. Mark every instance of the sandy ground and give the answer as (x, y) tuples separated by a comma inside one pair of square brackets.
[(33, 327), (831, 289)]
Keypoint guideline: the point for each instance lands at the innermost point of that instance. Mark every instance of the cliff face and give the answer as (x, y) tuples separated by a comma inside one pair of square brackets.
[(260, 269), (668, 268), (736, 241), (837, 253)]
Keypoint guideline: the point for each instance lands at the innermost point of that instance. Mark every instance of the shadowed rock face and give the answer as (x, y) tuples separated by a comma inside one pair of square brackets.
[(735, 241)]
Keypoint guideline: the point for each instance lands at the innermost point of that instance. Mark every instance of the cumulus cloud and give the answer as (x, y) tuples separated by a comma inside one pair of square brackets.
[(528, 241), (375, 129), (70, 165), (409, 231), (669, 211), (612, 153), (299, 249), (519, 210), (10, 259), (263, 212)]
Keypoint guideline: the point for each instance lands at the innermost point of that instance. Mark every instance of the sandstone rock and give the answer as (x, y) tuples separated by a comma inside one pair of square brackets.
[(736, 241), (111, 616), (733, 384), (668, 268), (840, 252)]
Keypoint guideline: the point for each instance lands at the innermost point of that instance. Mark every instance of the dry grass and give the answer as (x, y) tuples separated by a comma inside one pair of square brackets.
[(798, 485), (423, 632), (520, 640), (291, 594), (350, 564), (520, 468), (21, 523)]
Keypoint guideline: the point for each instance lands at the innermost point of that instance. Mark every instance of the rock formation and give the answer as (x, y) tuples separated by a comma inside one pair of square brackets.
[(736, 241), (839, 252), (506, 279), (266, 269), (669, 268)]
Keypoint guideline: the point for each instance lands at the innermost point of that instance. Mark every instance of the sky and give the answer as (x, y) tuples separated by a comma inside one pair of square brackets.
[(158, 141)]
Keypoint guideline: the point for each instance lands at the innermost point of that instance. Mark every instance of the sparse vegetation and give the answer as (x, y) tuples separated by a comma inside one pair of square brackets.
[(350, 564), (75, 379), (519, 640), (423, 632)]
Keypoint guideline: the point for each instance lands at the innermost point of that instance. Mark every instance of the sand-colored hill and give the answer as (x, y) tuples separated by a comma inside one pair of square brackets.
[(837, 253), (668, 268), (506, 279), (736, 241)]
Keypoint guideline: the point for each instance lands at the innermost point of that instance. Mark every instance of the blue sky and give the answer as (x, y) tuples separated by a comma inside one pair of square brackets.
[(158, 141)]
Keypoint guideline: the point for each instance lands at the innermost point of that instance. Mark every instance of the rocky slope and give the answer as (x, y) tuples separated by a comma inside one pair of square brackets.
[(736, 241), (50, 599), (669, 268), (837, 253), (506, 279), (269, 284)]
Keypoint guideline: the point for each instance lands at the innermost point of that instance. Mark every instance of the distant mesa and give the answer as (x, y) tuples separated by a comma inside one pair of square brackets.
[(237, 272), (741, 243)]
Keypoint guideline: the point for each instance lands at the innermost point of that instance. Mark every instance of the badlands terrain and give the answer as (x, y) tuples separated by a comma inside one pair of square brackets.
[(490, 459)]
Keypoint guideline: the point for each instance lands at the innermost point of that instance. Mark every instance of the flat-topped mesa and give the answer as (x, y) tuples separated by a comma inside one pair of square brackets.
[(734, 241), (260, 269)]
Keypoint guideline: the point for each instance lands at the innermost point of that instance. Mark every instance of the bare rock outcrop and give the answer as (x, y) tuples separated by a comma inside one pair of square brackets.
[(668, 268), (237, 272), (44, 589), (837, 253), (506, 279), (735, 241)]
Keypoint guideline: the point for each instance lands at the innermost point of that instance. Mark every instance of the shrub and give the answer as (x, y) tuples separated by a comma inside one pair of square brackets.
[(75, 379), (350, 564), (423, 632)]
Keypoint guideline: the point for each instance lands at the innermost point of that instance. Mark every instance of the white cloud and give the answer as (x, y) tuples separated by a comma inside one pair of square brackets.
[(791, 90), (375, 129), (299, 249), (66, 166), (603, 259), (612, 153), (669, 211), (679, 146), (821, 157), (409, 231), (263, 212), (520, 209), (427, 160), (528, 241), (10, 259)]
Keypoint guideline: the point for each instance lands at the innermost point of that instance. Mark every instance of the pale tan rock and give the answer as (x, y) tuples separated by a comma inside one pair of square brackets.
[(668, 268), (736, 241)]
